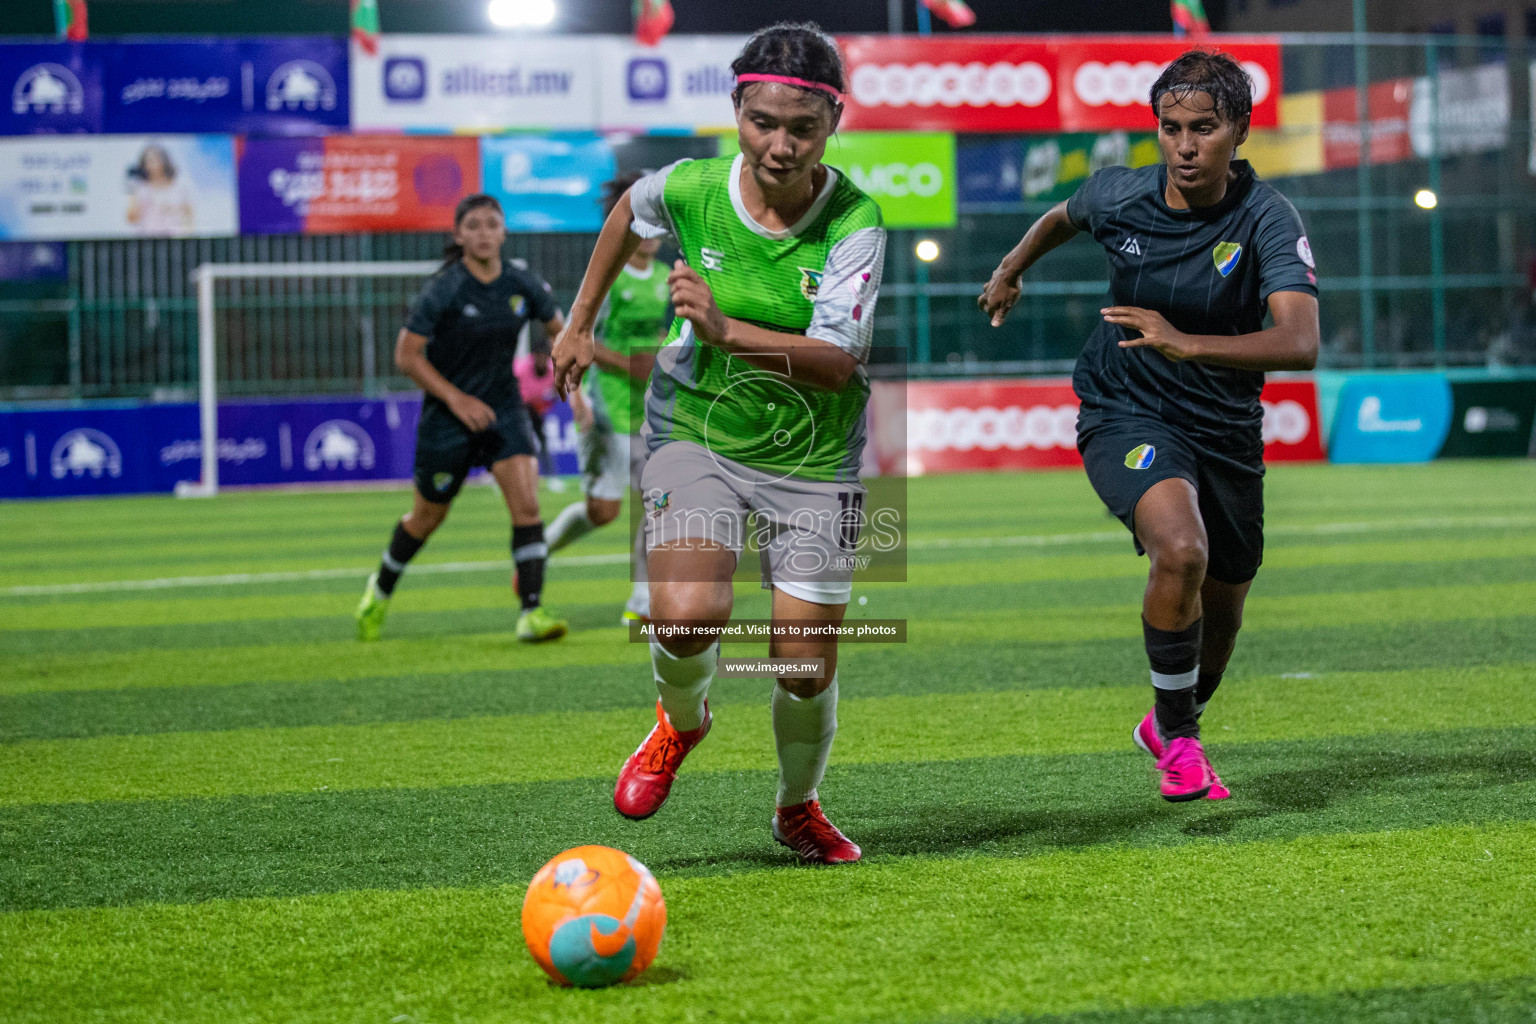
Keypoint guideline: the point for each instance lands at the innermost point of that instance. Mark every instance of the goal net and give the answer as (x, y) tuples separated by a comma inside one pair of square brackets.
[(294, 330)]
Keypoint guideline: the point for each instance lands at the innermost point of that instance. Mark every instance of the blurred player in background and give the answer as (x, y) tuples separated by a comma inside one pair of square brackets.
[(1170, 426), (756, 407), (611, 401), (458, 343)]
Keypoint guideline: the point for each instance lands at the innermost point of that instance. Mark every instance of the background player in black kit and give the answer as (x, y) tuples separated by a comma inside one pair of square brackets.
[(458, 344), (1170, 424)]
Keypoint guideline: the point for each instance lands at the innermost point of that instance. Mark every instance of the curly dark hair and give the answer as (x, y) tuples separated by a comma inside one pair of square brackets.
[(614, 190), (1216, 74), (794, 49)]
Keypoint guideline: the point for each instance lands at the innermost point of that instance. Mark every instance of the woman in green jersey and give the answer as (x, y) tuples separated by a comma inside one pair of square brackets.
[(755, 408), (609, 405)]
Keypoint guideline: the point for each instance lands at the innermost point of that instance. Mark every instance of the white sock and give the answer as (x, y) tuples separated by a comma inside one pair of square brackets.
[(640, 595), (803, 729), (683, 683), (640, 599), (570, 525)]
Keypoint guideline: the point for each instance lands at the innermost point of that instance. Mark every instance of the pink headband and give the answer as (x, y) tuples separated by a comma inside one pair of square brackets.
[(803, 83)]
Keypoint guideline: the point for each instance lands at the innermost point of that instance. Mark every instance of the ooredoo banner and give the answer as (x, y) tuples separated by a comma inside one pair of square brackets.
[(118, 186), (355, 183), (1030, 83), (1104, 83), (967, 426), (934, 83)]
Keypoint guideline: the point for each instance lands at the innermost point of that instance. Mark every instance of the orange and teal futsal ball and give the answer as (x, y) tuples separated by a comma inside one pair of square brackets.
[(593, 916)]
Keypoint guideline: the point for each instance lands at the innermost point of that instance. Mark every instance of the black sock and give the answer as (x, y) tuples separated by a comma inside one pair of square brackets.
[(1205, 687), (402, 548), (1174, 653), (529, 552)]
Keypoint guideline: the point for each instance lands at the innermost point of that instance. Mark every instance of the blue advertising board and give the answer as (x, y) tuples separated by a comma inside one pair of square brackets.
[(49, 88), (292, 86), (1391, 418), (278, 86), (34, 261), (127, 449), (987, 173), (548, 182)]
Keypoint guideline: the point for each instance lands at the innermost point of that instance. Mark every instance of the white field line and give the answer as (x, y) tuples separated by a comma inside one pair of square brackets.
[(619, 558)]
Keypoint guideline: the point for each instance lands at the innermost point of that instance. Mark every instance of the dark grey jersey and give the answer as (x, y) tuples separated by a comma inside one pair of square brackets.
[(1208, 271), (473, 326)]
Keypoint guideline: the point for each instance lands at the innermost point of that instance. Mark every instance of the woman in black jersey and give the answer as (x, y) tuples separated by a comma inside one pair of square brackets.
[(1170, 426), (458, 343)]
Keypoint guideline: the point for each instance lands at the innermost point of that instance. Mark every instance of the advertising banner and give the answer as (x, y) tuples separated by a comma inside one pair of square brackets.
[(1388, 106), (683, 83), (1491, 418), (966, 426), (1104, 83), (67, 452), (1391, 418), (1029, 83), (939, 83), (479, 83), (1054, 168), (343, 184), (49, 88), (1293, 430), (277, 86), (34, 261), (548, 182), (1474, 111), (169, 186)]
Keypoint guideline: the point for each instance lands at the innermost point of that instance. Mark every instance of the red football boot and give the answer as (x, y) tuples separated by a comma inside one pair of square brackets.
[(804, 829), (646, 778)]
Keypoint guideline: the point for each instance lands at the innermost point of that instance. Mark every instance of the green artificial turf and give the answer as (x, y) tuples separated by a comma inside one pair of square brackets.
[(215, 805)]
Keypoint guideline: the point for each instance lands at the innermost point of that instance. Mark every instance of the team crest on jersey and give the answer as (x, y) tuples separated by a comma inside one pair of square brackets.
[(1226, 255), (1140, 457), (471, 310), (810, 283), (518, 303), (440, 481)]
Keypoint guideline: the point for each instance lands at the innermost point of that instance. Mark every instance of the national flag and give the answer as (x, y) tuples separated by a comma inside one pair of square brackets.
[(69, 18), (653, 20), (953, 13), (365, 25), (1189, 18)]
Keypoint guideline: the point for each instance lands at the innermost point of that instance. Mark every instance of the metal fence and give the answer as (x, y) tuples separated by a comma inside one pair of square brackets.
[(1401, 285)]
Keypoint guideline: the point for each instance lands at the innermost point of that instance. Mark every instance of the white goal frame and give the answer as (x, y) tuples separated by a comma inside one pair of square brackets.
[(206, 276)]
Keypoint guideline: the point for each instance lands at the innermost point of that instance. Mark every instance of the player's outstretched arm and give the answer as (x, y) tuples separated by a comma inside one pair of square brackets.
[(1289, 345), (809, 361), (616, 243), (1045, 234)]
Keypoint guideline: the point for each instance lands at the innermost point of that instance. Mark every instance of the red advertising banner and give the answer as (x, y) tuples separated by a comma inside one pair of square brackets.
[(1029, 83), (1103, 82), (969, 426), (351, 183), (1293, 431), (937, 83), (1387, 104)]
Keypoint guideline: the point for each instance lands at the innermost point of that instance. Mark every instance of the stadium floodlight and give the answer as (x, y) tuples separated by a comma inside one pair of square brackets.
[(351, 293), (520, 13), (927, 250), (1425, 199)]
